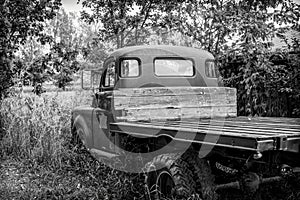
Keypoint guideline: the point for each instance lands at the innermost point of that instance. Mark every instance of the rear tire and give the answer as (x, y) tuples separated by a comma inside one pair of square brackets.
[(168, 176), (203, 176)]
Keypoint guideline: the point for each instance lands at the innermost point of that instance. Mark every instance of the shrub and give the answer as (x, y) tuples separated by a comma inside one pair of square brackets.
[(266, 85)]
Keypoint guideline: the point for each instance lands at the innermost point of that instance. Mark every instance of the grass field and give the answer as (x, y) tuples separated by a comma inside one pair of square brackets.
[(37, 160)]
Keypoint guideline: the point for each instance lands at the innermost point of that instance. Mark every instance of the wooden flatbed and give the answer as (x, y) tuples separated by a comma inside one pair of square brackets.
[(254, 134)]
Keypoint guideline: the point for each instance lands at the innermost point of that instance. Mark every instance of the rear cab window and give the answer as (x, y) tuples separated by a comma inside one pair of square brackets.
[(211, 69), (179, 67)]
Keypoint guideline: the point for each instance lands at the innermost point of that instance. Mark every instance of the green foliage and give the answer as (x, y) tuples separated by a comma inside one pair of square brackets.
[(20, 19), (57, 60), (125, 22), (64, 48), (213, 23), (30, 63), (6, 76), (64, 63), (204, 21), (267, 85), (93, 49)]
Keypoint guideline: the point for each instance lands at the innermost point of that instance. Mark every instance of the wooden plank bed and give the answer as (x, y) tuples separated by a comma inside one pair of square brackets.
[(205, 115), (255, 134), (171, 103)]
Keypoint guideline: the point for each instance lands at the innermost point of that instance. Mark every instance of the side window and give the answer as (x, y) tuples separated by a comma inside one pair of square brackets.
[(110, 75), (130, 68), (210, 69)]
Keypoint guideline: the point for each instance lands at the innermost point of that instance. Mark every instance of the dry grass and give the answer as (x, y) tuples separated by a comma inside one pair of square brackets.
[(37, 161), (37, 127)]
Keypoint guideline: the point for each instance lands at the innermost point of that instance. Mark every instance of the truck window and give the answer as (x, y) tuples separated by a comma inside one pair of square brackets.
[(173, 67), (210, 69), (110, 75), (130, 68)]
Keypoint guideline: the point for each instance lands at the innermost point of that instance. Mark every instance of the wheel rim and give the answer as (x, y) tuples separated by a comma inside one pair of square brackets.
[(164, 185)]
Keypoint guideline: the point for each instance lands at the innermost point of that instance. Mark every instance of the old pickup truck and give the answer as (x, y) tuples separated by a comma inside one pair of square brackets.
[(163, 107)]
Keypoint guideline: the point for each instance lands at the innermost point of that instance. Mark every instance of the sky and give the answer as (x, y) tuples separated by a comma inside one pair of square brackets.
[(72, 6)]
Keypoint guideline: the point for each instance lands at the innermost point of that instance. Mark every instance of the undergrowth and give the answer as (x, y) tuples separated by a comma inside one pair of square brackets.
[(37, 127), (37, 160)]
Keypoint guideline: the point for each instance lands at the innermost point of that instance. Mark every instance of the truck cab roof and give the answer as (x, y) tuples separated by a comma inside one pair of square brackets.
[(161, 66), (161, 50)]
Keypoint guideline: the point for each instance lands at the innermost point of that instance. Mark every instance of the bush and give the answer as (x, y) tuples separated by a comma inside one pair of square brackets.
[(266, 85)]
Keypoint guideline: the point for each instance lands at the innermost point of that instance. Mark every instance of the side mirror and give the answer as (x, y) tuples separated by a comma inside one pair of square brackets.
[(90, 79)]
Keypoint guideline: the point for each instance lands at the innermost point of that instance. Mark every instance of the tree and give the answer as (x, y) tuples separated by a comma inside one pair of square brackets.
[(259, 81), (202, 21), (30, 63), (55, 61), (20, 19), (64, 63), (125, 22), (94, 50), (213, 23), (64, 48)]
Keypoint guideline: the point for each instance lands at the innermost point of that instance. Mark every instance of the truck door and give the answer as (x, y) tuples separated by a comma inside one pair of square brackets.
[(102, 116)]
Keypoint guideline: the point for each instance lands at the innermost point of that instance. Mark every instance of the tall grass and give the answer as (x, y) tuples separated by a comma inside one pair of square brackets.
[(37, 127), (36, 133)]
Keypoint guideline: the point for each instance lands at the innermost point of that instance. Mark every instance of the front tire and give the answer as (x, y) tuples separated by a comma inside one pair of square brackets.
[(76, 143)]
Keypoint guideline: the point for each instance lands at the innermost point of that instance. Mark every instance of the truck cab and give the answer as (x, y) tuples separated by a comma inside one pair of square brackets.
[(142, 67)]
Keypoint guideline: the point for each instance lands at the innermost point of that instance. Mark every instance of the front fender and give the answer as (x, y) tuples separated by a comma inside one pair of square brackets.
[(82, 125)]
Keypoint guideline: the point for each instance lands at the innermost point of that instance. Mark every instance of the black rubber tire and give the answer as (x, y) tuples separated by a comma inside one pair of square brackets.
[(174, 168), (202, 175), (76, 143)]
